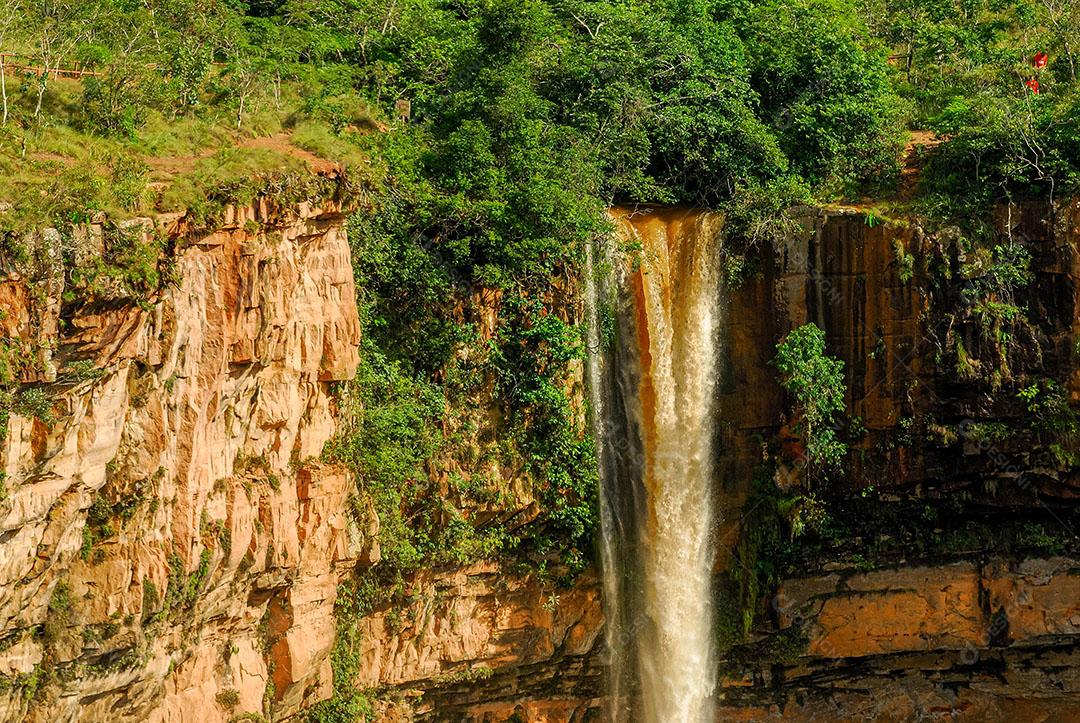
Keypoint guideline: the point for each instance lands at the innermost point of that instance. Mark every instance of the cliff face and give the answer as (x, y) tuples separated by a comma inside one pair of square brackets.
[(170, 542), (976, 639), (943, 583), (479, 643)]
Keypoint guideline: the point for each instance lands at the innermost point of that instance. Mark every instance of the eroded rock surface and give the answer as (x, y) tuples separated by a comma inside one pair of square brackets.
[(171, 545), (480, 643)]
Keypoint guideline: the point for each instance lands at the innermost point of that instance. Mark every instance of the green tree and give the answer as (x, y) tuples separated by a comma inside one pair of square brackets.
[(60, 25), (816, 381), (825, 88), (11, 31)]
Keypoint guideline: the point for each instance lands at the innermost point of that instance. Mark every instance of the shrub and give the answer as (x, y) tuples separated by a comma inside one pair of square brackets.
[(228, 698), (59, 617), (115, 102), (35, 402), (816, 380)]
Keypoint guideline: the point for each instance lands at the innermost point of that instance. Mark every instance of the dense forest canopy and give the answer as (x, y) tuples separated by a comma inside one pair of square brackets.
[(741, 104)]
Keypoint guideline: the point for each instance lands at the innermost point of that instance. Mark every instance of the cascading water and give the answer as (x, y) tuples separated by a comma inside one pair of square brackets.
[(655, 318)]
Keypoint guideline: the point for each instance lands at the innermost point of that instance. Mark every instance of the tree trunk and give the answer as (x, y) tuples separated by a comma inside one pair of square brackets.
[(3, 87), (42, 81)]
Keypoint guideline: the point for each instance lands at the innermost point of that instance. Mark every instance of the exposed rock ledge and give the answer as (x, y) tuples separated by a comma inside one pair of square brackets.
[(995, 641)]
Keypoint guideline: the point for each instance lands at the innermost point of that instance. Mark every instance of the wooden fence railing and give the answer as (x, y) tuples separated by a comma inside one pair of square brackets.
[(15, 63)]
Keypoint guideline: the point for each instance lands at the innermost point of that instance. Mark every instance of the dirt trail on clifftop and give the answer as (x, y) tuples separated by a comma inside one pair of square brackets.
[(168, 166)]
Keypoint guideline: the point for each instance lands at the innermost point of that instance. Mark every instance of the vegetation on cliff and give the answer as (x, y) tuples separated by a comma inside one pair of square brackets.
[(816, 381), (483, 140)]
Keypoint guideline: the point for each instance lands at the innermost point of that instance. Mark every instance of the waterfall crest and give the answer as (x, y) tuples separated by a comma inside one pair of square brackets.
[(655, 318)]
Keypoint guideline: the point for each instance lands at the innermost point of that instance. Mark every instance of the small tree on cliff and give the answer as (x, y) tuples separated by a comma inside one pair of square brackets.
[(816, 380)]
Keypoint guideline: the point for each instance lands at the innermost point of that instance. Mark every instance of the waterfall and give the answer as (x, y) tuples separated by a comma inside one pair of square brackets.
[(654, 313)]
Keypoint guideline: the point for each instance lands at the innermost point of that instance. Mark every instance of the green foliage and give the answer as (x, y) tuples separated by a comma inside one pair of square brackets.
[(905, 262), (81, 370), (37, 403), (816, 381), (1048, 404), (182, 591), (772, 523), (987, 300), (59, 617), (105, 518), (24, 685), (465, 675), (1035, 536), (151, 599), (394, 409), (1002, 148), (557, 450), (228, 698), (964, 64), (391, 430), (413, 266), (826, 87), (348, 703), (667, 103), (98, 525), (992, 432), (130, 266), (665, 92), (238, 175), (116, 102)]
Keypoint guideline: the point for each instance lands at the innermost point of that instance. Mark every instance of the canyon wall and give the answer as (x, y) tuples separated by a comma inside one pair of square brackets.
[(171, 542), (943, 584)]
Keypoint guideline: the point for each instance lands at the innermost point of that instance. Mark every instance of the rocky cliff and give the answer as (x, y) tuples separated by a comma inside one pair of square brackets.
[(942, 584), (479, 643), (171, 543)]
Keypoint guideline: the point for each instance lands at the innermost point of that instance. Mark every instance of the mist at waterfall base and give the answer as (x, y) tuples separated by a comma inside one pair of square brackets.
[(653, 301)]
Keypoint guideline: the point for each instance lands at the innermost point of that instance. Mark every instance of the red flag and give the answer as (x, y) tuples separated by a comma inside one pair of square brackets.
[(1040, 60)]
